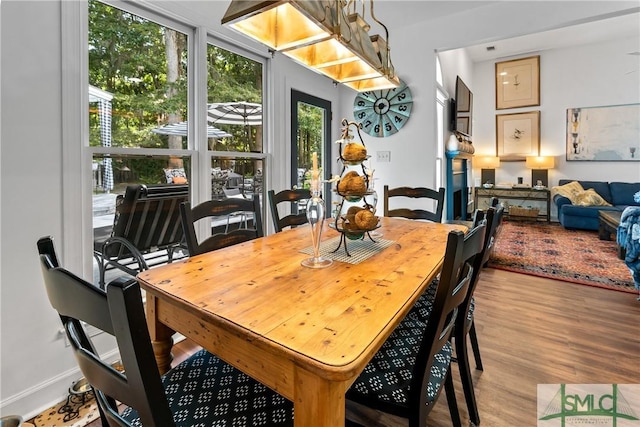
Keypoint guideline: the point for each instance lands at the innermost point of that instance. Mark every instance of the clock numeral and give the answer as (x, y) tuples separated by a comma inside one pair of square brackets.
[(367, 123), (387, 127), (376, 128), (402, 96), (360, 103), (361, 114), (397, 119), (402, 108)]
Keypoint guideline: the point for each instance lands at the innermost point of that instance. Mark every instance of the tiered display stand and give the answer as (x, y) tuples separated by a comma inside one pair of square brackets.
[(365, 199)]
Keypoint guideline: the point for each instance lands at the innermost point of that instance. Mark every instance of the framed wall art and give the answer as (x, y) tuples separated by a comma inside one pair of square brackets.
[(604, 133), (517, 135), (462, 125), (518, 83)]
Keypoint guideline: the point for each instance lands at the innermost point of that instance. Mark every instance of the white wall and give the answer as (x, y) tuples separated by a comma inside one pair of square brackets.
[(582, 76), (36, 367), (32, 355), (413, 51)]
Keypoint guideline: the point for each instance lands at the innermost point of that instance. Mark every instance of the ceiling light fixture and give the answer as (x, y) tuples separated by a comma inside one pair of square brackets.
[(322, 35), (281, 24)]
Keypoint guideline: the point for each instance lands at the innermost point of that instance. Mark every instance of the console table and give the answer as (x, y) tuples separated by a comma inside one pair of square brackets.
[(540, 197)]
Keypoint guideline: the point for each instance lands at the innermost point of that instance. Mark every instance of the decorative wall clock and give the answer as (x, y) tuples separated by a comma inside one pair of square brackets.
[(383, 112)]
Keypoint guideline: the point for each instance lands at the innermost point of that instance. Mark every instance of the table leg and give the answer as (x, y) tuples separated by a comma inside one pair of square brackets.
[(318, 401), (161, 336), (604, 232)]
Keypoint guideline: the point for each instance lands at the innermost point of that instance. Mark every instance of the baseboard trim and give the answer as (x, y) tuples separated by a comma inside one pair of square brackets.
[(51, 392), (46, 394)]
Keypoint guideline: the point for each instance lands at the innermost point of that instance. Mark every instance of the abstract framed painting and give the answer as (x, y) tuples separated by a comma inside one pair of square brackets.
[(609, 133), (517, 135), (518, 83)]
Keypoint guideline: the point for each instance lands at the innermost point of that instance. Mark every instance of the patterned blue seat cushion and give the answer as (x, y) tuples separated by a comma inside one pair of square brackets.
[(423, 306), (205, 391), (386, 379)]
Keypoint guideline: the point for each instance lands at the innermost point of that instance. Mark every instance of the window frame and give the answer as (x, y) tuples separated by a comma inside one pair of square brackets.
[(207, 155), (77, 154), (441, 102)]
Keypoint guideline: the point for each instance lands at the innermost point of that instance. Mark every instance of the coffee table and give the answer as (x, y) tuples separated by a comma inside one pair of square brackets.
[(608, 225)]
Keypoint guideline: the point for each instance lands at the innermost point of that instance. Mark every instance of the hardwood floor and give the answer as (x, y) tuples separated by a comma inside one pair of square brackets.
[(538, 331)]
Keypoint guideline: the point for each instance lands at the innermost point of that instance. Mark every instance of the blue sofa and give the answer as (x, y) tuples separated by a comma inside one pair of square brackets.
[(619, 194)]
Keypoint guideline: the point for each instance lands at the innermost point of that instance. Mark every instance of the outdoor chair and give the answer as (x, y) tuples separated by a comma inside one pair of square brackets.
[(296, 216), (202, 390), (219, 237), (146, 229), (415, 193), (405, 377)]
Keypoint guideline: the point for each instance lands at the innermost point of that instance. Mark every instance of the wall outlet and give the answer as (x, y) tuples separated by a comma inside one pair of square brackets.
[(383, 156)]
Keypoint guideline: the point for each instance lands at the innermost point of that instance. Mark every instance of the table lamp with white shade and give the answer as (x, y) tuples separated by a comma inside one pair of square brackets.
[(539, 166), (488, 166)]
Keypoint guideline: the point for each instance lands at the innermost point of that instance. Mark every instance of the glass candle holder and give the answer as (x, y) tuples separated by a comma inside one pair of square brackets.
[(315, 217)]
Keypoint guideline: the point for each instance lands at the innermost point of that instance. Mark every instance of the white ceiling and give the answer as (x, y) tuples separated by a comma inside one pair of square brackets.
[(398, 13), (395, 14), (592, 32)]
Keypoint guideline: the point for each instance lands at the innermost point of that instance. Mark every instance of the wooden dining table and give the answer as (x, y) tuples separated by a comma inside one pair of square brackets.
[(306, 333)]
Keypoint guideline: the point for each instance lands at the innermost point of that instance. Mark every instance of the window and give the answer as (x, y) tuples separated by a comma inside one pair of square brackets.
[(138, 80), (235, 107), (144, 108), (441, 120)]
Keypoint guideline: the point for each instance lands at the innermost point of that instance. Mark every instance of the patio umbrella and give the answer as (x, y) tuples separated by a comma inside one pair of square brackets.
[(235, 113), (180, 129)]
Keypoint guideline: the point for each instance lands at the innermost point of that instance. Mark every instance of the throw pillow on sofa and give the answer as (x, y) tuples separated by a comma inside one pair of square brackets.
[(570, 190), (589, 198)]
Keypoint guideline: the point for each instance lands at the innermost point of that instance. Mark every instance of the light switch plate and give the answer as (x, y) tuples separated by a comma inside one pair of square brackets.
[(383, 156)]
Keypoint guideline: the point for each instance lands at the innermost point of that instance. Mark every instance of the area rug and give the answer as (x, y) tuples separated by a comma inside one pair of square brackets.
[(550, 250), (76, 411)]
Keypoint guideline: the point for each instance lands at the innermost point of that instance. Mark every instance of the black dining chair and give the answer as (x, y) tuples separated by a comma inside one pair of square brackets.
[(223, 234), (297, 216), (465, 325), (406, 376), (415, 193), (499, 216), (201, 391)]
